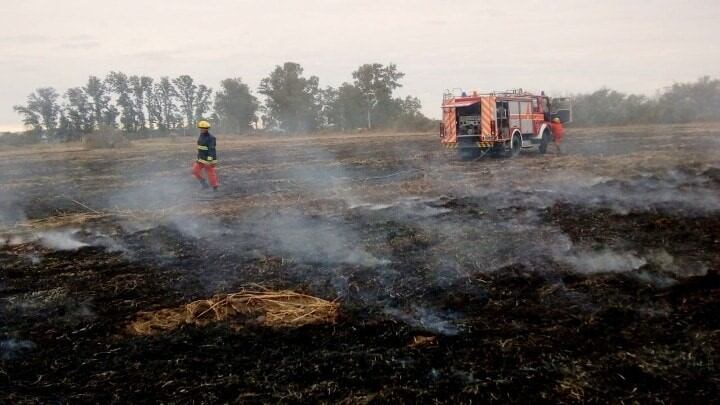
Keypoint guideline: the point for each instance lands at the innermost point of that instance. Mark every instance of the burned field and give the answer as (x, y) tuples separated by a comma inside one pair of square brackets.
[(414, 276)]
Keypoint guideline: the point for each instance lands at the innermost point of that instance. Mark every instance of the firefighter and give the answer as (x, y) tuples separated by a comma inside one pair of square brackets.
[(206, 157), (557, 131)]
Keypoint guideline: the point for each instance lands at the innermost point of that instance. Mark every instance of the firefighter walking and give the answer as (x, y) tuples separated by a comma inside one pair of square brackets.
[(558, 131), (206, 157)]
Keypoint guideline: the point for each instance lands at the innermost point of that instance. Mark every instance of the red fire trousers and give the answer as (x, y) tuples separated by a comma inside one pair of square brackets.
[(558, 132), (197, 169)]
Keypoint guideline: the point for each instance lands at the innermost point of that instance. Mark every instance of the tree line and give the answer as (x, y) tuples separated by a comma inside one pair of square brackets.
[(292, 103), (697, 101)]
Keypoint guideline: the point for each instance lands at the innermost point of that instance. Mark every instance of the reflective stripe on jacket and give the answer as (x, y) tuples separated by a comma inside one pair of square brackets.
[(207, 154)]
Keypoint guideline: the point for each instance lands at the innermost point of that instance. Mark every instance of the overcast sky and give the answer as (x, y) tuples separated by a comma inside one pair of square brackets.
[(559, 46)]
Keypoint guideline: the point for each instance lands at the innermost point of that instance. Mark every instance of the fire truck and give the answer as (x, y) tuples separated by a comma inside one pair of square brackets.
[(502, 122)]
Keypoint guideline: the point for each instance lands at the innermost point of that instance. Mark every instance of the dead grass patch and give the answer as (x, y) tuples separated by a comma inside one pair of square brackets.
[(105, 139), (262, 306)]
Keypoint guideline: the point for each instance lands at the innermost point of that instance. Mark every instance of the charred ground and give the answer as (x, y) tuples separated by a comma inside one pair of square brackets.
[(586, 277)]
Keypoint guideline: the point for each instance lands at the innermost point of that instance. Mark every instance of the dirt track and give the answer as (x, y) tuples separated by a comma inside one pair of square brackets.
[(591, 276)]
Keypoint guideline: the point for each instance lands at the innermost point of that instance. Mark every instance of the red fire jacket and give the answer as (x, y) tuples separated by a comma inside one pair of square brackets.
[(557, 130)]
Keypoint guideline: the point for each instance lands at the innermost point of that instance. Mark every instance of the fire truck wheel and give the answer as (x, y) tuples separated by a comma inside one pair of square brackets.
[(544, 142), (515, 145)]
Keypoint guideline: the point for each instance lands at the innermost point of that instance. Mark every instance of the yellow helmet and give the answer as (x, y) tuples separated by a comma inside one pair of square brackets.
[(203, 125), (556, 119)]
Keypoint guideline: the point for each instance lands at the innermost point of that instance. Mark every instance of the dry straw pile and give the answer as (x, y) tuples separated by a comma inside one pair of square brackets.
[(266, 307)]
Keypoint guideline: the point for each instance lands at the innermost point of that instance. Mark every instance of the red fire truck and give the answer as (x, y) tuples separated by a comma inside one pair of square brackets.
[(504, 122)]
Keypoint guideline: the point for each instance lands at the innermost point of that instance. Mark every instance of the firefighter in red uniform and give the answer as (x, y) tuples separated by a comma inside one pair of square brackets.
[(206, 157), (557, 131)]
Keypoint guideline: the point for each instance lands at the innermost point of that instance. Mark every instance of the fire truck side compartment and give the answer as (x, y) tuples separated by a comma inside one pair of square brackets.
[(514, 114), (526, 122), (468, 125), (502, 119)]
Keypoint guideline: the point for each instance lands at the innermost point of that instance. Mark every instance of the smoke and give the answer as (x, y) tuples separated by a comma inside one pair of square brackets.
[(672, 267), (308, 239), (13, 348), (670, 191), (673, 191), (198, 226), (76, 238), (589, 262), (319, 176), (33, 258), (656, 280), (686, 190), (292, 234), (373, 247), (463, 246), (11, 240), (435, 321), (655, 267), (110, 243), (76, 313), (405, 208), (61, 240), (11, 209), (15, 240), (176, 196)]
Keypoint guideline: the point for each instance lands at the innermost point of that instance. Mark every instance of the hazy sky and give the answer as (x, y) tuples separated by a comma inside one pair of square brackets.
[(558, 46)]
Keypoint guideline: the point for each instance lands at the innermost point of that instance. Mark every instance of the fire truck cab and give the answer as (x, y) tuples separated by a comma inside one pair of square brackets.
[(504, 122)]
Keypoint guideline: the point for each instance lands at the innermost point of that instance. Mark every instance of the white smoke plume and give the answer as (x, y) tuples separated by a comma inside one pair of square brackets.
[(61, 240), (435, 321), (606, 261), (314, 240)]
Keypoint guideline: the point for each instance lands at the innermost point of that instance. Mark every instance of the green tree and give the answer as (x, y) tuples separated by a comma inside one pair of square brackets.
[(166, 94), (42, 109), (79, 111), (410, 106), (100, 101), (154, 108), (328, 107), (410, 118), (110, 116), (690, 102), (30, 118), (235, 106), (202, 102), (347, 108), (139, 86), (120, 84), (602, 107), (680, 103), (186, 93), (293, 101), (65, 129), (377, 82)]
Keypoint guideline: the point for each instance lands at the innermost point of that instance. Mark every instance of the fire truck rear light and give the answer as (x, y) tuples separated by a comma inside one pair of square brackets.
[(492, 128)]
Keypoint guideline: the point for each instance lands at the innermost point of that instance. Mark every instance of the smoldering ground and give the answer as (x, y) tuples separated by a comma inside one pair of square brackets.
[(461, 232), (487, 260), (11, 211), (435, 234)]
